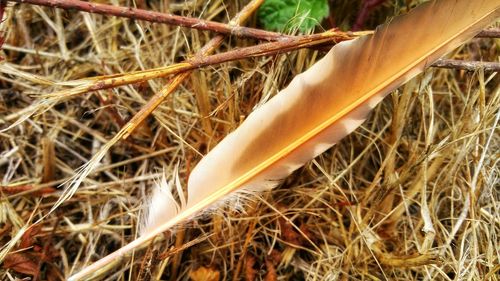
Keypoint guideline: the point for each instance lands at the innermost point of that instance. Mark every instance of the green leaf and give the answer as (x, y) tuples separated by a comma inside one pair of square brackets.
[(286, 15)]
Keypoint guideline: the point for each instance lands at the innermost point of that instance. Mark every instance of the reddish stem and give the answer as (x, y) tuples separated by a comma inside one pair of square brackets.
[(152, 16), (26, 188)]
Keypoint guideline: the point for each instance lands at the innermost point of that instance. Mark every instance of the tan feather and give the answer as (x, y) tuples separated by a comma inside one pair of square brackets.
[(322, 105)]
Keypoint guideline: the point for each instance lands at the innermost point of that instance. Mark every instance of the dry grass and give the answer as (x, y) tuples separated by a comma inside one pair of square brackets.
[(411, 195)]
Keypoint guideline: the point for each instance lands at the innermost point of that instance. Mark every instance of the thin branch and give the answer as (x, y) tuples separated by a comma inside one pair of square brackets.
[(201, 60), (467, 65), (229, 29), (266, 49), (272, 48), (151, 16), (25, 188), (159, 97), (285, 44), (489, 33)]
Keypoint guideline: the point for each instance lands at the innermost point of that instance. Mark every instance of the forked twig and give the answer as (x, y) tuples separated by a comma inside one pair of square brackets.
[(198, 60), (202, 59), (223, 28)]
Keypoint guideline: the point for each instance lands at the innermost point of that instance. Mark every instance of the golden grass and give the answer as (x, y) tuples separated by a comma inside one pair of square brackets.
[(411, 195)]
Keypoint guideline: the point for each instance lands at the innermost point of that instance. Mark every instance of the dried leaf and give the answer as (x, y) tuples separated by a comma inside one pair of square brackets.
[(28, 238), (22, 263), (204, 274)]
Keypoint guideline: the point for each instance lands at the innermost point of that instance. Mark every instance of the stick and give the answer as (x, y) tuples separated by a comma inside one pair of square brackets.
[(199, 60), (467, 65), (489, 33), (151, 16), (158, 98), (228, 29)]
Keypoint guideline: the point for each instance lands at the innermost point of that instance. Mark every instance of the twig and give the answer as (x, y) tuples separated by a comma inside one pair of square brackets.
[(229, 29), (489, 33), (24, 188), (104, 82), (159, 97), (110, 81), (467, 65), (272, 48), (151, 16)]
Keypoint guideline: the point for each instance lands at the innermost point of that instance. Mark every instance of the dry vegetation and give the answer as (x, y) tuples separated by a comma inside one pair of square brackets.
[(411, 195)]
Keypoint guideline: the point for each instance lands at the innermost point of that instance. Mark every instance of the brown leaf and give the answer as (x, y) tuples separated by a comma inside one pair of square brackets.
[(28, 238), (22, 263), (204, 274)]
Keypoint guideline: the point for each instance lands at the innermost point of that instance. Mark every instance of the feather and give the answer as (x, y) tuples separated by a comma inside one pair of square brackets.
[(320, 107)]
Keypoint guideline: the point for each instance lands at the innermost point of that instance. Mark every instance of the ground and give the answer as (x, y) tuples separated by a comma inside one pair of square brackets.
[(410, 195)]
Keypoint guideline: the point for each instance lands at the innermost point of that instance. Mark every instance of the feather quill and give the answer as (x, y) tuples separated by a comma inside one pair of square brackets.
[(320, 107)]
